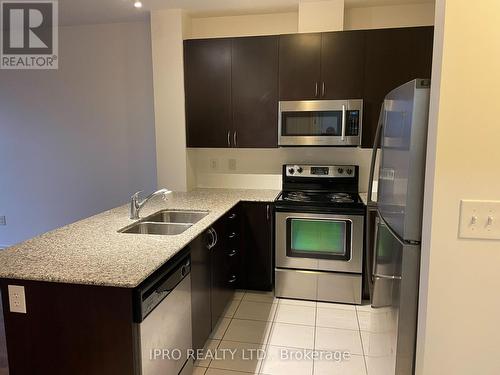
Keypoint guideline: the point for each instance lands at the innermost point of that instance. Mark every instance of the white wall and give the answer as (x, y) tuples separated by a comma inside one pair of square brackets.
[(306, 20), (389, 16), (167, 30), (318, 16), (459, 305), (78, 140), (244, 25), (261, 168)]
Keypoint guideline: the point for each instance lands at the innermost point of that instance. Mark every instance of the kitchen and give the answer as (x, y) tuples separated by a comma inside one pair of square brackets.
[(229, 108)]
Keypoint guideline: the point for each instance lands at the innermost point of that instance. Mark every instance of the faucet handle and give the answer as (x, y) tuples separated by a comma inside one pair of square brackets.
[(136, 195), (165, 194)]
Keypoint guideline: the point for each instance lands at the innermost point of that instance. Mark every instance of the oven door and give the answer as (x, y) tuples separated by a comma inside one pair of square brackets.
[(315, 241), (320, 123)]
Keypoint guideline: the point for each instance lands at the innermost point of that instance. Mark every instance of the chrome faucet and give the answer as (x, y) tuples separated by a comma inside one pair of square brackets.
[(136, 205)]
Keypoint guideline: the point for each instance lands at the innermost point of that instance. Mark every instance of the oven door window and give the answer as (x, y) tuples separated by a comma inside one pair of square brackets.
[(318, 123), (316, 238)]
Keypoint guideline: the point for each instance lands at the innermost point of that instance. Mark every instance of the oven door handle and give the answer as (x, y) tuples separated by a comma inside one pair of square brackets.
[(342, 137)]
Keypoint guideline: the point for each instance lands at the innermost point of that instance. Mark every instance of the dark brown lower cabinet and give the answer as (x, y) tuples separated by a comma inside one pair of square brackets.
[(221, 289), (214, 275), (257, 245), (70, 329), (201, 278)]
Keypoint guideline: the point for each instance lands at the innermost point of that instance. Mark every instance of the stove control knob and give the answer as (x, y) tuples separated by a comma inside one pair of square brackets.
[(300, 170), (340, 170), (349, 171), (291, 170)]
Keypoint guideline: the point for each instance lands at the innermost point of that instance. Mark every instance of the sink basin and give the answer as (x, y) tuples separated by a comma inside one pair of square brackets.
[(177, 216), (165, 229)]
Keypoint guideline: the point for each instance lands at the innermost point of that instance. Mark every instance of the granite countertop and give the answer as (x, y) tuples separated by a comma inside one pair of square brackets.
[(92, 252)]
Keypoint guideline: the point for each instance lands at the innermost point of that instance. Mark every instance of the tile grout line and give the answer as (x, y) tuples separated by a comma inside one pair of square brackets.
[(314, 337), (225, 331), (266, 344), (362, 346)]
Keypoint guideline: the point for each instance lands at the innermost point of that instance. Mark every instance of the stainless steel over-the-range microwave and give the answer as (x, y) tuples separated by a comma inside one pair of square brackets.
[(320, 122)]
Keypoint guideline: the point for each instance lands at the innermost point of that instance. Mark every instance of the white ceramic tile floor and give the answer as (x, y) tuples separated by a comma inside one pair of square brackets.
[(257, 322)]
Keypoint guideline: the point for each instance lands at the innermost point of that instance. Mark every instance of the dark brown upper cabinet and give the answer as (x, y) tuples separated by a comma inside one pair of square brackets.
[(255, 92), (342, 65), (393, 57), (299, 66), (322, 66), (233, 84), (207, 76)]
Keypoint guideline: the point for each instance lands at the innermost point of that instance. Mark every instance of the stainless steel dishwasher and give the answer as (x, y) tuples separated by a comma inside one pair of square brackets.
[(162, 314)]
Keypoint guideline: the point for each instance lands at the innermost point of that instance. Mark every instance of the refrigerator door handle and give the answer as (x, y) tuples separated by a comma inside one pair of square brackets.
[(386, 277), (376, 144), (374, 250)]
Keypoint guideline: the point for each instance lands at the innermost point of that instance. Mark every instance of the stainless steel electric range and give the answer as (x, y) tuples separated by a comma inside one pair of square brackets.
[(319, 234)]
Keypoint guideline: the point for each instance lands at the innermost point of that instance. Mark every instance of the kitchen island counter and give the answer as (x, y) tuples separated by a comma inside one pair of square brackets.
[(92, 251)]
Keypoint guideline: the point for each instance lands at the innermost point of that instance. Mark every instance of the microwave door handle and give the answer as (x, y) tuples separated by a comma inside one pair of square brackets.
[(376, 144), (342, 137)]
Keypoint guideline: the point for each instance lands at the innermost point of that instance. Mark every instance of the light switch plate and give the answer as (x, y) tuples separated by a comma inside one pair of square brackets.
[(480, 219), (3, 220), (17, 299)]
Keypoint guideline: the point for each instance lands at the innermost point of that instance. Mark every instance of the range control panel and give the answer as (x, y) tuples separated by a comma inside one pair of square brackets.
[(312, 171)]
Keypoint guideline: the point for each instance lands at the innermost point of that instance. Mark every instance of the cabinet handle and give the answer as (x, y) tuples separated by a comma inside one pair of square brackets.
[(232, 216), (232, 235), (316, 90), (323, 89), (211, 243), (213, 233), (232, 279), (233, 253), (268, 212), (229, 138), (235, 143)]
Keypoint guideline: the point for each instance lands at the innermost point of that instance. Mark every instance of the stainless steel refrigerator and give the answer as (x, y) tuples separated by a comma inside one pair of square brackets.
[(393, 247)]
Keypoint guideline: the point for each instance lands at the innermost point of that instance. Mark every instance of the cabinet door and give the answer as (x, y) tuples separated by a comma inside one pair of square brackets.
[(257, 245), (208, 92), (393, 57), (221, 292), (299, 66), (342, 65), (200, 291), (255, 91)]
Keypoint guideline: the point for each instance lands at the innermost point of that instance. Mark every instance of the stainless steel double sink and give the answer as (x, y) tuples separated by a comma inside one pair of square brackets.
[(166, 222)]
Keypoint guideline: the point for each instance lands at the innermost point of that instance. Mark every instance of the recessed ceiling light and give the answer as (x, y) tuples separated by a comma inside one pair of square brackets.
[(138, 4)]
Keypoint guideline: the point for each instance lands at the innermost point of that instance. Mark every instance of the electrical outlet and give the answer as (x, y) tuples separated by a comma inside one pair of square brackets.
[(3, 221), (231, 164), (480, 219), (214, 164), (17, 299)]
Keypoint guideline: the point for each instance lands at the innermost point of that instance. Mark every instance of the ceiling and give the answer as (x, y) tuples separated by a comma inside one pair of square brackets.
[(77, 12)]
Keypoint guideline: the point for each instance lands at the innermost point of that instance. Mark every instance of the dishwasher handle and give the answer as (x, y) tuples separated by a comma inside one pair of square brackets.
[(172, 280)]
